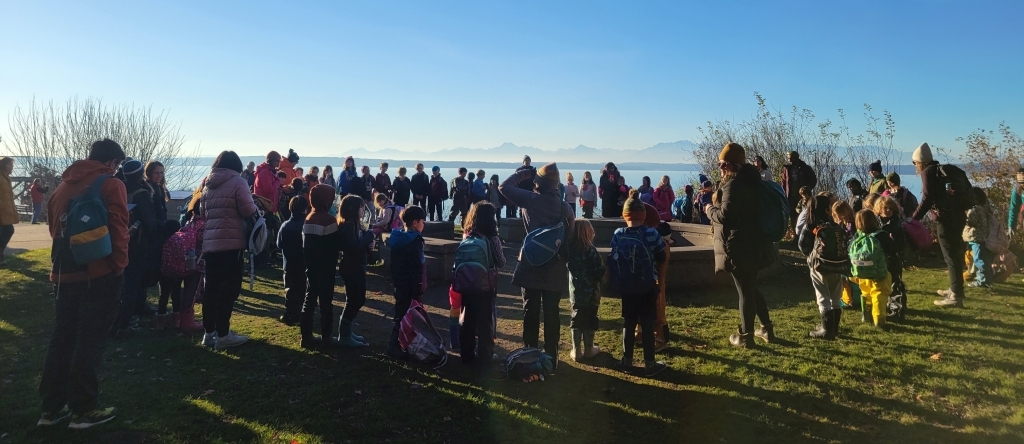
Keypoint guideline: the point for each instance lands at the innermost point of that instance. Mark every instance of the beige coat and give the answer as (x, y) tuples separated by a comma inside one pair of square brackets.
[(8, 212)]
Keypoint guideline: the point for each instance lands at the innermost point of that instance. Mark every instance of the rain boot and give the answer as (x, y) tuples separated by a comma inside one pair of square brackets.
[(327, 331), (345, 339), (824, 330), (308, 342), (188, 321), (837, 316), (394, 349), (577, 348)]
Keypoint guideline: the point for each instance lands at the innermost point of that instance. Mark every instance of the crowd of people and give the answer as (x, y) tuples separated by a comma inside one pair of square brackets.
[(102, 270)]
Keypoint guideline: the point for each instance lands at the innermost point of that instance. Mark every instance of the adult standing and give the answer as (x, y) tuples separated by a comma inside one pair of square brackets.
[(438, 194), (1016, 200), (588, 195), (348, 180), (87, 294), (401, 188), (541, 285), (877, 184), (140, 194), (796, 174), (289, 166), (38, 192), (250, 174), (267, 185), (8, 211), (420, 187), (740, 249), (951, 219), (609, 191), (225, 205), (762, 168)]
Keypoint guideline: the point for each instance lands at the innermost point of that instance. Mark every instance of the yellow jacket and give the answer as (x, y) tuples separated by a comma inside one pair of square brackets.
[(8, 212)]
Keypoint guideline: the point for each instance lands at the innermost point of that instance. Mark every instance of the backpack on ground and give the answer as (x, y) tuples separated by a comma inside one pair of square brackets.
[(772, 210), (85, 225), (830, 253), (997, 241), (868, 258), (920, 237), (527, 364), (420, 339), (959, 192), (182, 250), (541, 245), (474, 270), (631, 265)]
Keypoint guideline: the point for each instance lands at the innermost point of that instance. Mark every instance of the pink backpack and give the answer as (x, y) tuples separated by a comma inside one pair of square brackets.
[(176, 260), (420, 339), (396, 219), (920, 237)]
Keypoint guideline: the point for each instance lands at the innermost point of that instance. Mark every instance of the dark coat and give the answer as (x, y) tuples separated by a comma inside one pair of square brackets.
[(438, 188), (401, 188), (933, 195), (739, 244), (539, 210), (408, 264), (796, 175), (355, 247), (421, 184), (609, 192), (289, 240)]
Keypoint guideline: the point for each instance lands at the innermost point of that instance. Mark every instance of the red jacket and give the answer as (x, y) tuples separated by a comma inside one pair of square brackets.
[(75, 180), (267, 184), (663, 198), (38, 193)]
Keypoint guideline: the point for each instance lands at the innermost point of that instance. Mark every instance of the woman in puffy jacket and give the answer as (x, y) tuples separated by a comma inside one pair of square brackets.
[(664, 195), (226, 204)]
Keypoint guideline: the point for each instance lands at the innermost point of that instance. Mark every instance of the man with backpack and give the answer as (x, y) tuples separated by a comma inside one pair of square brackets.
[(795, 175), (946, 189), (87, 282), (459, 193), (545, 215)]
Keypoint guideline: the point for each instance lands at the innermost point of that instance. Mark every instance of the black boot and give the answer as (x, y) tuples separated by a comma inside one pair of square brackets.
[(308, 342), (327, 331), (826, 329), (837, 315), (740, 339), (394, 349)]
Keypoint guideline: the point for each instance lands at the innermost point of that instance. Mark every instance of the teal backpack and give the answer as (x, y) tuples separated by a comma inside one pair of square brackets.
[(867, 257), (474, 271), (85, 225), (772, 210)]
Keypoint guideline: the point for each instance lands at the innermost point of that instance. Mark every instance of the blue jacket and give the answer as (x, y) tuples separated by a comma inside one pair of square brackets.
[(347, 182), (682, 208), (408, 264), (479, 190)]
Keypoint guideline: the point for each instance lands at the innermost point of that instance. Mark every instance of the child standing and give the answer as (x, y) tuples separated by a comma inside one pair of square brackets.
[(572, 192), (476, 323), (387, 214), (975, 234), (355, 246), (320, 245), (636, 252), (588, 195), (889, 213), (869, 266), (826, 247), (703, 200), (289, 240), (408, 270), (586, 269)]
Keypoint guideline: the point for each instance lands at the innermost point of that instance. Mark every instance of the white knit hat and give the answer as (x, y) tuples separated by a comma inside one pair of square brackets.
[(923, 154)]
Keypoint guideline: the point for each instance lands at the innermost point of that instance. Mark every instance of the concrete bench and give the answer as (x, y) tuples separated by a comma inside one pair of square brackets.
[(439, 230), (689, 268), (439, 253)]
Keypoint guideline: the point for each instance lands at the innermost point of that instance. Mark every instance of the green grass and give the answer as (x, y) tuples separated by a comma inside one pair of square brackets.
[(868, 386)]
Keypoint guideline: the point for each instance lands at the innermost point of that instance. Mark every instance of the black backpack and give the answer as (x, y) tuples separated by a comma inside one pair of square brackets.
[(959, 192)]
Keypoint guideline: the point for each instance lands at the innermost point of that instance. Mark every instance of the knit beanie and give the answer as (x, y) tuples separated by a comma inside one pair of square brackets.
[(705, 184), (923, 154), (733, 153), (893, 177), (547, 177), (875, 166), (321, 197), (633, 209), (132, 171)]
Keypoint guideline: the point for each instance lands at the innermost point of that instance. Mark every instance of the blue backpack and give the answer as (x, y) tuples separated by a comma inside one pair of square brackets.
[(631, 264), (542, 244), (772, 210), (85, 225)]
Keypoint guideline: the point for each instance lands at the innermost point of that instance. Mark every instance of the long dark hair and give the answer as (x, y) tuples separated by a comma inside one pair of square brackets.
[(481, 220), (163, 181), (819, 211), (348, 210), (229, 160)]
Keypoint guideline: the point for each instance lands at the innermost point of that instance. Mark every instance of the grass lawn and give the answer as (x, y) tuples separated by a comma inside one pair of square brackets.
[(943, 376)]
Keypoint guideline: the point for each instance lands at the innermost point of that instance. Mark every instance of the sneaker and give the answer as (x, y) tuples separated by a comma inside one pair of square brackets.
[(230, 340), (49, 419), (977, 284), (945, 293), (624, 367), (95, 417), (950, 302), (765, 332), (653, 368), (209, 340)]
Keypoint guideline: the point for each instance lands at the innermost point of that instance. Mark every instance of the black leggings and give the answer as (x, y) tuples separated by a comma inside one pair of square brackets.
[(435, 204), (223, 285), (320, 291), (752, 303), (6, 232), (170, 288), (355, 293), (646, 322)]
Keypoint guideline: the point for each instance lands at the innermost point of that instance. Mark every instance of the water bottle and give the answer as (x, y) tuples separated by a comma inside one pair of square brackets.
[(190, 260)]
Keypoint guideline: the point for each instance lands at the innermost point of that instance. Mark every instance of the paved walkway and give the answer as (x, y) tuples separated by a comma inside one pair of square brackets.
[(28, 237)]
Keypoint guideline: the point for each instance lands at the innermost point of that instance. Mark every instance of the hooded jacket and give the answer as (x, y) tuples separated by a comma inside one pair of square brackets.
[(408, 264), (739, 245), (267, 184), (8, 212), (225, 205), (539, 210), (401, 188), (75, 180), (421, 184), (321, 240), (438, 188)]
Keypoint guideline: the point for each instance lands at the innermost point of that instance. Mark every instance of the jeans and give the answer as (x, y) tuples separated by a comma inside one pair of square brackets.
[(476, 335), (951, 241), (83, 313), (320, 291), (435, 204), (223, 285), (828, 289), (37, 212), (294, 291), (6, 232), (355, 293), (170, 288), (982, 263), (752, 303), (533, 300)]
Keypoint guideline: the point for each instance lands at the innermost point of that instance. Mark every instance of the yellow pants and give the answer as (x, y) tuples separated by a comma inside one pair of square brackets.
[(875, 294)]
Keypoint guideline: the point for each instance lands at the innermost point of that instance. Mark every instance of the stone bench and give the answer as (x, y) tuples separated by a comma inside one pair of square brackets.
[(439, 253), (689, 268), (439, 230), (511, 230)]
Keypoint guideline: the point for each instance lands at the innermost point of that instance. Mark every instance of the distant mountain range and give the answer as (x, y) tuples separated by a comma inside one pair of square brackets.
[(670, 152)]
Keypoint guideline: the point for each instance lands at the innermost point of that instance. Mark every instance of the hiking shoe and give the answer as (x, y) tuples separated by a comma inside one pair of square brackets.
[(49, 419), (209, 340), (93, 418), (950, 302), (766, 333), (741, 340), (230, 340), (310, 343), (289, 321), (653, 368)]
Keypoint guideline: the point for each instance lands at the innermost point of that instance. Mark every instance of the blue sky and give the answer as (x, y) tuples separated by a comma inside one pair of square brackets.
[(323, 77)]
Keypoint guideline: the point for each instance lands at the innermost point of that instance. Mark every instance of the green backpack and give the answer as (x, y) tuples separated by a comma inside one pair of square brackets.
[(867, 257)]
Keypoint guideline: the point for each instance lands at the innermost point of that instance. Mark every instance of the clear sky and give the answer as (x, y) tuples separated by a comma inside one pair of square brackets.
[(323, 77)]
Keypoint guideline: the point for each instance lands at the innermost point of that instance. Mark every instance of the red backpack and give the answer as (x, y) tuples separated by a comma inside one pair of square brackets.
[(176, 260)]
